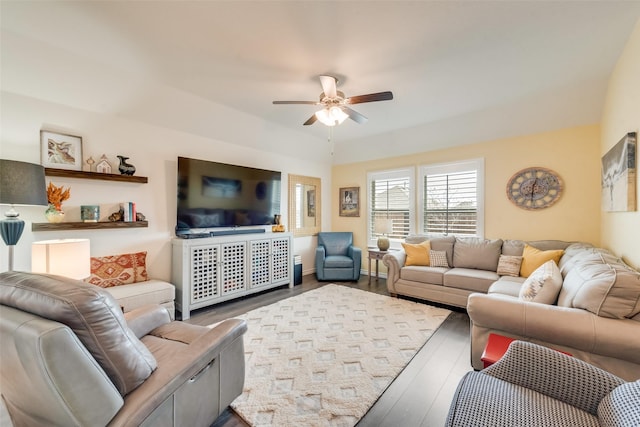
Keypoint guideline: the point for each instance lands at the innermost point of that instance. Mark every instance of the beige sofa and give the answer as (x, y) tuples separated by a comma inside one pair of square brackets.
[(596, 317), (472, 268)]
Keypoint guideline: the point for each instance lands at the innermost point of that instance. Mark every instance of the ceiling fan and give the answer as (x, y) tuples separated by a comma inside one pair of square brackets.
[(335, 107)]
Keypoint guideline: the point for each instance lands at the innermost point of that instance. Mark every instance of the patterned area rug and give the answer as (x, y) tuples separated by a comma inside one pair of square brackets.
[(324, 357)]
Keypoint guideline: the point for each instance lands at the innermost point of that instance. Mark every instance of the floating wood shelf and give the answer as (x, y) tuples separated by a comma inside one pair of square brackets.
[(47, 226), (95, 175)]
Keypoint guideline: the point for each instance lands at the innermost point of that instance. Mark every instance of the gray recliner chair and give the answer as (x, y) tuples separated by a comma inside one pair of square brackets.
[(336, 257), (70, 357), (532, 385)]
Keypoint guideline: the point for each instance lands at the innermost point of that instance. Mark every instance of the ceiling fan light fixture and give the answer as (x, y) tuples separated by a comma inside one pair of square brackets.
[(331, 116)]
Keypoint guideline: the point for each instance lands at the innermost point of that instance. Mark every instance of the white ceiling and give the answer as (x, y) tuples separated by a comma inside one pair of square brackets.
[(460, 71)]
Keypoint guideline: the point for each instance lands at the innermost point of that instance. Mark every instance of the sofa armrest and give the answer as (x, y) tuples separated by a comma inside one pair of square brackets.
[(554, 374), (355, 253), (562, 326), (143, 320), (394, 261), (320, 256), (187, 363)]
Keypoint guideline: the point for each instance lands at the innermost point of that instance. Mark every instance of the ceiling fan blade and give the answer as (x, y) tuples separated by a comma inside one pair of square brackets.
[(329, 86), (380, 96), (311, 120), (297, 102), (354, 115)]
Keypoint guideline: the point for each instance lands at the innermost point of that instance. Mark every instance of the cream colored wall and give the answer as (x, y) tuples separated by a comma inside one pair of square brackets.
[(573, 153), (621, 230)]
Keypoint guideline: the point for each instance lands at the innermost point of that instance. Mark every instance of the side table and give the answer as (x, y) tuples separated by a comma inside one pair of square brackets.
[(375, 254)]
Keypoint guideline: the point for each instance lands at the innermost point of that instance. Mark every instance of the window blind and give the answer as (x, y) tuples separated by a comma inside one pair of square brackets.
[(452, 199), (390, 198)]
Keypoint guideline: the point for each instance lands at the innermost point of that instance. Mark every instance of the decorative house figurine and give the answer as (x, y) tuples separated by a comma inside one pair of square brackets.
[(124, 167), (103, 165)]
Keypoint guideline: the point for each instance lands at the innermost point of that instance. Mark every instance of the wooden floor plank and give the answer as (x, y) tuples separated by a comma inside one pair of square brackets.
[(420, 395)]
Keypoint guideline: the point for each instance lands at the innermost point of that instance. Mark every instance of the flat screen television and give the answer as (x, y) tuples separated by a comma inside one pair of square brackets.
[(213, 195)]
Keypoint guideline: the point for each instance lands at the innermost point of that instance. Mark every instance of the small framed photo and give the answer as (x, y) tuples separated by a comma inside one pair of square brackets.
[(349, 201), (60, 151)]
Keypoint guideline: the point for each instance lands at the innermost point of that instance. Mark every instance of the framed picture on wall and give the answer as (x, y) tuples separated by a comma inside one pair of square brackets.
[(60, 151), (349, 201)]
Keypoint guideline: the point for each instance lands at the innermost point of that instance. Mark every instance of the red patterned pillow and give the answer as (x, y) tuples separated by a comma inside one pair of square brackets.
[(118, 270)]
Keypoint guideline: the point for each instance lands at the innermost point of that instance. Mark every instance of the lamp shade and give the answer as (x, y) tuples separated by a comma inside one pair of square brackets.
[(22, 183), (64, 257), (383, 226)]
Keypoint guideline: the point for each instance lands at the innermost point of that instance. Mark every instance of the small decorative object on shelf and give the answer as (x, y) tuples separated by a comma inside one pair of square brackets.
[(54, 215), (124, 167), (55, 197), (103, 165), (117, 216), (121, 216), (90, 162), (90, 213)]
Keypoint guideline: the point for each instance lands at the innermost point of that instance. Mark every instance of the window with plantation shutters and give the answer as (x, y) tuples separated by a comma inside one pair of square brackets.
[(452, 199), (391, 204)]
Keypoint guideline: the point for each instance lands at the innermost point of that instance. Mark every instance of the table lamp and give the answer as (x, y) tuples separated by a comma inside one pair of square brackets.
[(63, 257), (383, 227), (21, 183)]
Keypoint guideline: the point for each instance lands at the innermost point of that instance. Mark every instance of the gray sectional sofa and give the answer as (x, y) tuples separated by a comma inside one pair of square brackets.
[(595, 316)]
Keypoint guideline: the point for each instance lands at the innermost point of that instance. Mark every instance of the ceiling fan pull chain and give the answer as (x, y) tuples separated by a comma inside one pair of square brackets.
[(330, 140)]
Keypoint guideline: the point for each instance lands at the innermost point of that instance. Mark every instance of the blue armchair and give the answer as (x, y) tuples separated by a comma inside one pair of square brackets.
[(336, 257)]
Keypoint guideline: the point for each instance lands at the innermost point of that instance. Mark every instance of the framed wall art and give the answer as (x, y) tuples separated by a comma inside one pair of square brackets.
[(349, 201), (619, 176), (60, 151)]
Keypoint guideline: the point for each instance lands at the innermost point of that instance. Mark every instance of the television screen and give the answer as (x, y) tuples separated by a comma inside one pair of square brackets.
[(212, 195)]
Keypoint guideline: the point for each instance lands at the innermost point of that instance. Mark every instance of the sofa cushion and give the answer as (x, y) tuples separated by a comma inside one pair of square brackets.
[(438, 259), (471, 252), (93, 315), (533, 258), (575, 256), (417, 253), (116, 270), (470, 279), (509, 265), (338, 261), (543, 285), (437, 243), (507, 285), (432, 275), (603, 285)]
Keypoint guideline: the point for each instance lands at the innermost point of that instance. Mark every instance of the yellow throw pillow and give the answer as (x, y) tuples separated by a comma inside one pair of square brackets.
[(417, 254), (533, 258)]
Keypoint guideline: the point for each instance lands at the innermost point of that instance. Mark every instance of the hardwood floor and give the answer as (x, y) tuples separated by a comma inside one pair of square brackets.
[(419, 396)]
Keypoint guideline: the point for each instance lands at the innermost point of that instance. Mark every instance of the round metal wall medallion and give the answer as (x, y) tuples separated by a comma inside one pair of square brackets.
[(534, 188)]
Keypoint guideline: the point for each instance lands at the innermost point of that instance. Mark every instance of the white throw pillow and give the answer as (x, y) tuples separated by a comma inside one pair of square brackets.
[(543, 285)]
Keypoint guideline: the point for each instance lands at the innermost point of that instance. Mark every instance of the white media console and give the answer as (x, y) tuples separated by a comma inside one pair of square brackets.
[(210, 270)]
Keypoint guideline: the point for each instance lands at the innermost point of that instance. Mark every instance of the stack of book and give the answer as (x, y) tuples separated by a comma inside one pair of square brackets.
[(128, 211)]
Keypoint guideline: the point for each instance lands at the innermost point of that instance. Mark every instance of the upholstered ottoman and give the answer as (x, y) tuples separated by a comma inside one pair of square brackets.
[(135, 295), (125, 277)]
